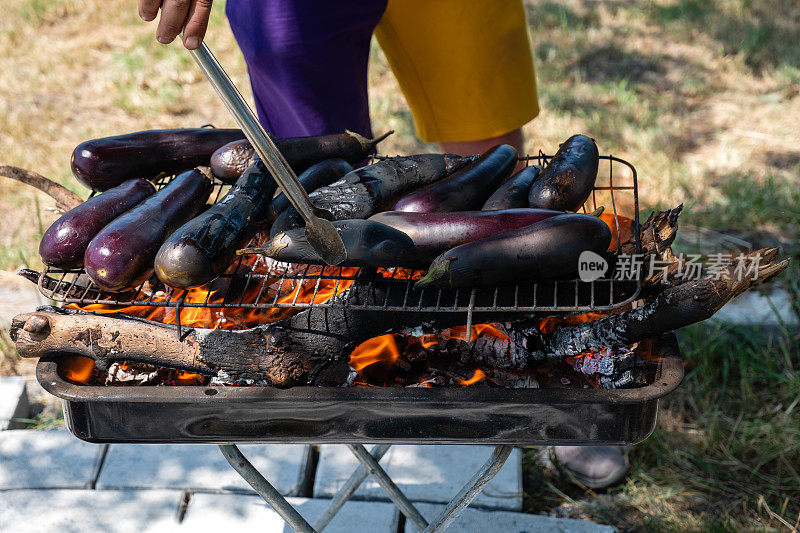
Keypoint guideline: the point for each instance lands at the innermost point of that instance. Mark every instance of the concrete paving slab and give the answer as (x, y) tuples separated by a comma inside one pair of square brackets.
[(769, 307), (425, 473), (474, 521), (46, 459), (81, 511), (197, 466), (14, 404), (242, 513), (17, 295)]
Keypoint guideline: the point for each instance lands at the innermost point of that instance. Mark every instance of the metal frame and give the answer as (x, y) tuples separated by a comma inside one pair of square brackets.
[(369, 465)]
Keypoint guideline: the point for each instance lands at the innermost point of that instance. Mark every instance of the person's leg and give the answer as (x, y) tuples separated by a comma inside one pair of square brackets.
[(465, 68), (514, 138), (307, 62)]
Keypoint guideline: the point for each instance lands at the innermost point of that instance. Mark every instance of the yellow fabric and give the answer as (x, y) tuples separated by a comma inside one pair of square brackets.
[(465, 66)]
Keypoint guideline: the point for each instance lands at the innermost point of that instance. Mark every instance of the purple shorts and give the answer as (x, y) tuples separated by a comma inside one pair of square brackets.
[(307, 62)]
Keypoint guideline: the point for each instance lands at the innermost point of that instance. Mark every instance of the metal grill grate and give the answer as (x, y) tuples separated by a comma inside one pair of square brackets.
[(262, 284)]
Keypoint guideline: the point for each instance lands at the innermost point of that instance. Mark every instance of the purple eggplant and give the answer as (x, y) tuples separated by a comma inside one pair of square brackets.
[(205, 247), (231, 160), (103, 163), (514, 192), (368, 243), (547, 249), (65, 242), (373, 188), (466, 189), (567, 181), (434, 233), (121, 256), (313, 178)]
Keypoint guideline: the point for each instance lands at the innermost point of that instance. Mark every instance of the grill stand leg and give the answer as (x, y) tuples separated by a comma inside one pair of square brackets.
[(392, 490), (356, 478), (471, 490), (370, 465), (265, 489)]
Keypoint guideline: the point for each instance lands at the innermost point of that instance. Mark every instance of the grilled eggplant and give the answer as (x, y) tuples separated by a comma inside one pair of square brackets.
[(313, 178), (466, 189), (65, 242), (101, 164), (231, 160), (368, 243), (514, 192), (121, 256), (547, 249), (434, 233), (205, 247), (567, 182), (373, 188)]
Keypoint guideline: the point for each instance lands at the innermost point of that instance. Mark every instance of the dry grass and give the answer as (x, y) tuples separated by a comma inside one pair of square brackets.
[(701, 95)]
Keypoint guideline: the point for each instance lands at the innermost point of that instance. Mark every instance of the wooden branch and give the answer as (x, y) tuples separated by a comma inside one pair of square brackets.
[(65, 199), (676, 307), (241, 356)]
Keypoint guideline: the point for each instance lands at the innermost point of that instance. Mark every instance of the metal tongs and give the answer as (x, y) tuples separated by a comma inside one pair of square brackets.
[(320, 233)]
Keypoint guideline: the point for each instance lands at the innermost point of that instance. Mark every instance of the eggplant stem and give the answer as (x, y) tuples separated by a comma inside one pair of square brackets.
[(368, 143), (440, 268)]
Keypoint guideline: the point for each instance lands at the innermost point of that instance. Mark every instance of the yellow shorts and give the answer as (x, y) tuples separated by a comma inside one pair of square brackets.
[(465, 66)]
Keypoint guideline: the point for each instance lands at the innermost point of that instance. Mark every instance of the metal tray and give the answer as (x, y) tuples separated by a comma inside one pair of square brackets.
[(197, 414)]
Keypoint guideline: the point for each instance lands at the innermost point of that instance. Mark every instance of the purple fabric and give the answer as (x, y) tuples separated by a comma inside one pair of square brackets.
[(307, 62)]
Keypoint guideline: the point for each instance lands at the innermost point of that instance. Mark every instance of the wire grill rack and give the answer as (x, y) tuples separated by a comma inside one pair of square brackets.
[(258, 283)]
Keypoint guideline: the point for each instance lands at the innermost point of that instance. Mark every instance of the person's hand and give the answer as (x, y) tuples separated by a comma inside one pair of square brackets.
[(174, 14)]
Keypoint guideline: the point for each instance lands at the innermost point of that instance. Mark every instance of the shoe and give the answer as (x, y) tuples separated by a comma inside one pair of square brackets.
[(595, 467)]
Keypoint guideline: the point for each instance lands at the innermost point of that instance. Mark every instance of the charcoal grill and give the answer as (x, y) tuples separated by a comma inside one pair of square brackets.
[(385, 415)]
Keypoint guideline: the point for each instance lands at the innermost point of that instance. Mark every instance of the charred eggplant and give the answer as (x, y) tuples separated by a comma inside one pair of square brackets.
[(313, 178), (205, 247), (368, 243), (231, 160), (514, 192), (568, 180), (373, 188), (466, 189)]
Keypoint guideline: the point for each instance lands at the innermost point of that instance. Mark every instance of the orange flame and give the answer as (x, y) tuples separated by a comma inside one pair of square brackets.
[(476, 377), (77, 368), (381, 349), (625, 228), (551, 323), (299, 291)]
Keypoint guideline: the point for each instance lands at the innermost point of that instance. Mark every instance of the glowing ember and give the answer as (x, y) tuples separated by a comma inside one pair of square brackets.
[(476, 377), (385, 350), (550, 324), (290, 290)]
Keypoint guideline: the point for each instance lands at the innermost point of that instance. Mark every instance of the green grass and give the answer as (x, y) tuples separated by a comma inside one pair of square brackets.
[(726, 445)]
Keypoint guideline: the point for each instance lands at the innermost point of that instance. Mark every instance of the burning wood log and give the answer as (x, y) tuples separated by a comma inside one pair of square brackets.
[(675, 307), (243, 356), (65, 199)]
